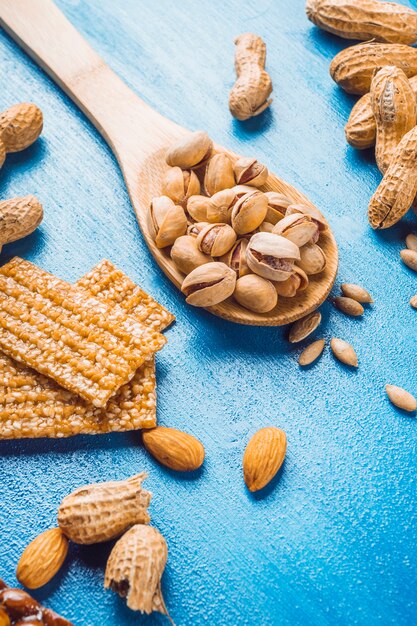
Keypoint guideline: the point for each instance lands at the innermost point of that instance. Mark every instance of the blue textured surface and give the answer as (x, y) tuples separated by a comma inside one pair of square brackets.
[(334, 541)]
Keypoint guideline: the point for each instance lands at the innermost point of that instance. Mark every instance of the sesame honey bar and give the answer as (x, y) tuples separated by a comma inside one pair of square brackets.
[(85, 344), (32, 405)]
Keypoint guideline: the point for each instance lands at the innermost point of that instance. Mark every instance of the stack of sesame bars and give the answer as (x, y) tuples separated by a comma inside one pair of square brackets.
[(76, 359)]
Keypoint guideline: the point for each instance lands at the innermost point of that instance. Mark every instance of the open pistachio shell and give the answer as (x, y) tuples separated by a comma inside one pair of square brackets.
[(303, 209), (209, 284), (300, 229), (255, 293), (250, 172), (220, 206), (242, 190), (179, 185), (186, 254), (194, 229), (197, 207), (312, 259), (216, 239), (277, 206), (166, 221), (271, 256), (298, 281), (249, 212), (191, 152), (236, 258)]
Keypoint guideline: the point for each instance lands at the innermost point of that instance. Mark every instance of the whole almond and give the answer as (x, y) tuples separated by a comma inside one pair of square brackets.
[(413, 301), (304, 327), (348, 306), (411, 242), (356, 292), (42, 558), (344, 352), (263, 457), (173, 448), (409, 257), (401, 398), (311, 353)]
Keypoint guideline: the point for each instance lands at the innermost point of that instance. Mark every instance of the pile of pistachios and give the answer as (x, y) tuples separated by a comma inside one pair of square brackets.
[(233, 239)]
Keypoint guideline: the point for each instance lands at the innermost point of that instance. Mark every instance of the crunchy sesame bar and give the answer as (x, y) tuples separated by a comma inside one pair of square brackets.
[(32, 405), (83, 343)]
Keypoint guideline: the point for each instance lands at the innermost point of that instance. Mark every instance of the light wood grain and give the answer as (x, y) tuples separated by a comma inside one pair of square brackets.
[(139, 137)]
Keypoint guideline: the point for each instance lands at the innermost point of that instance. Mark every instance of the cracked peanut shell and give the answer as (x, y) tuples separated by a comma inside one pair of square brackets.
[(103, 511), (135, 567)]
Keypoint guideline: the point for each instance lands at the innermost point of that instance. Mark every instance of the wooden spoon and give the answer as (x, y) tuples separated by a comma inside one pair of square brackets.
[(139, 137)]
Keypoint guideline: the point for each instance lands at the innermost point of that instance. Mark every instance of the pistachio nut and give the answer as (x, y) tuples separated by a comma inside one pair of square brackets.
[(191, 152), (277, 206), (250, 172), (220, 206), (209, 284), (312, 259), (194, 229), (314, 213), (242, 190), (197, 207), (216, 239), (186, 254), (265, 227), (180, 184), (298, 281), (271, 256), (300, 229), (249, 212), (167, 221), (255, 293), (219, 174), (236, 258)]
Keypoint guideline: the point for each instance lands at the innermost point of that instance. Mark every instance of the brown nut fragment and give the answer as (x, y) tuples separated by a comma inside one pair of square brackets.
[(409, 258), (173, 448), (264, 455), (271, 256), (236, 258), (298, 281), (401, 398), (312, 259), (394, 107), (20, 126), (4, 618), (356, 292), (397, 190), (180, 185), (250, 93), (277, 206), (250, 172), (249, 212), (365, 20), (135, 567), (300, 229), (209, 284), (19, 217), (103, 511), (353, 68), (413, 301), (344, 352), (219, 174), (166, 220), (186, 254), (19, 604), (303, 327), (191, 152), (255, 293), (220, 206), (411, 242), (216, 239), (197, 207), (311, 353), (348, 306), (193, 230), (303, 209), (42, 559)]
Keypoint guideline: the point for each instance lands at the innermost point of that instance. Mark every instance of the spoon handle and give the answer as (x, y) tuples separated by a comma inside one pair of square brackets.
[(43, 31)]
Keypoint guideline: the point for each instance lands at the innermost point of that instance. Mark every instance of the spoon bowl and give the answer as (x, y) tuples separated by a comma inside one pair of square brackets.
[(139, 138)]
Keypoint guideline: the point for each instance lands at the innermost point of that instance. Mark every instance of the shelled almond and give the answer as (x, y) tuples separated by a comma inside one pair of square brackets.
[(229, 237)]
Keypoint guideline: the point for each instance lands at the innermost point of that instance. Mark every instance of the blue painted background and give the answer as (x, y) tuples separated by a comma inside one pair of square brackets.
[(335, 540)]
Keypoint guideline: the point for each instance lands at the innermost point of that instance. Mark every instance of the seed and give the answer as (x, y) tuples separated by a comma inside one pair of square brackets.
[(413, 301), (344, 352), (311, 353), (263, 457), (409, 257), (356, 292), (304, 327), (348, 306), (411, 242), (401, 398)]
